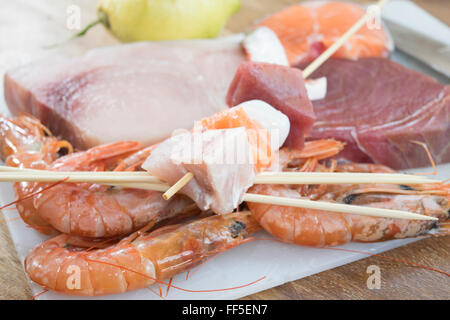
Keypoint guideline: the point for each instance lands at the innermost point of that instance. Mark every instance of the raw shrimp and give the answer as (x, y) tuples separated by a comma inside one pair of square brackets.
[(138, 260), (321, 228), (25, 142), (82, 209)]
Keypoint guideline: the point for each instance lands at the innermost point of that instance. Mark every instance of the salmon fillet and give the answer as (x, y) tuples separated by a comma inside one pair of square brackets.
[(308, 29)]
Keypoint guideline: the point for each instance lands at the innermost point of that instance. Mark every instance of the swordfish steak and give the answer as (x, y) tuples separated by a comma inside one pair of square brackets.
[(141, 91), (378, 107)]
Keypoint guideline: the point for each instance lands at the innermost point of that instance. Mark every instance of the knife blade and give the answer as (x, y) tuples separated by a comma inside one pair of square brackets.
[(432, 52)]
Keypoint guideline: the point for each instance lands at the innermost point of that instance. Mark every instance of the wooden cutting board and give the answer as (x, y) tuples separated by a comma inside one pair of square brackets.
[(27, 25)]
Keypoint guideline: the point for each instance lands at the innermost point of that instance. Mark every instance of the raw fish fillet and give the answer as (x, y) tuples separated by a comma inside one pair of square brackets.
[(308, 29), (281, 87), (378, 107), (141, 91), (258, 136), (220, 160)]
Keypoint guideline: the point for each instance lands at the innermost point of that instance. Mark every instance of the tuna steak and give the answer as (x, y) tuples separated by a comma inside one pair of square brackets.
[(281, 87), (378, 107), (140, 91)]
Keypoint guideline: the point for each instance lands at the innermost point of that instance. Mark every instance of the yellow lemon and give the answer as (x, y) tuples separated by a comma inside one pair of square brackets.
[(136, 20)]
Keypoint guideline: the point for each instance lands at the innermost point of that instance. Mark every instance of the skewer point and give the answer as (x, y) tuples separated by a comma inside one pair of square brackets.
[(178, 186)]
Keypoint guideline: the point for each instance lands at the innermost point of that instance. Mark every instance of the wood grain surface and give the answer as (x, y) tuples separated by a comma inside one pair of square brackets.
[(28, 25)]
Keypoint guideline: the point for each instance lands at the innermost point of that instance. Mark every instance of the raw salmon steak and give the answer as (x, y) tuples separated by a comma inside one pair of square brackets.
[(378, 107), (308, 29), (141, 91)]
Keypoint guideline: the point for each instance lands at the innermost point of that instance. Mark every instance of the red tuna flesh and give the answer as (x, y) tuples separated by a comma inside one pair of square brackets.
[(378, 107), (281, 87)]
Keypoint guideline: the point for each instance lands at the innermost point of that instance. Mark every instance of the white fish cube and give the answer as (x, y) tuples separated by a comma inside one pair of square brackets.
[(221, 161)]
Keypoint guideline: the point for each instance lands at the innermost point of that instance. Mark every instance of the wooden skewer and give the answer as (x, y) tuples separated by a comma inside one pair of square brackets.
[(95, 173), (178, 185), (338, 178), (133, 174), (335, 46), (86, 177), (120, 179), (160, 187), (110, 177), (334, 207), (322, 58), (140, 179), (49, 176)]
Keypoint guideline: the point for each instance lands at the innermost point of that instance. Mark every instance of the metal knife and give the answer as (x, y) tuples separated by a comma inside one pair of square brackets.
[(430, 51)]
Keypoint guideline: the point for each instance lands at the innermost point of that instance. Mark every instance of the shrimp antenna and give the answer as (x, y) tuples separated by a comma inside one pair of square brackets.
[(33, 194), (430, 158)]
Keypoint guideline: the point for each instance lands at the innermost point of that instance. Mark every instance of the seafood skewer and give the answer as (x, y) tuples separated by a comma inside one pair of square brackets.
[(249, 115), (224, 152), (137, 261), (223, 170)]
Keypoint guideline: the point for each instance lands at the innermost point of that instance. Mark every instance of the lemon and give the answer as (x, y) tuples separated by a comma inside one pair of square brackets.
[(136, 20)]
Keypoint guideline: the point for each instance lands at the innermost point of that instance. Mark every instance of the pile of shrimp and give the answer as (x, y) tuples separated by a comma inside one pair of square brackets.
[(125, 239), (81, 209)]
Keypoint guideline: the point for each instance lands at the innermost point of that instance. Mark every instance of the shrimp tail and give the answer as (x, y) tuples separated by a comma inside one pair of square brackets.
[(317, 149), (134, 161), (440, 229), (106, 155), (25, 135)]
